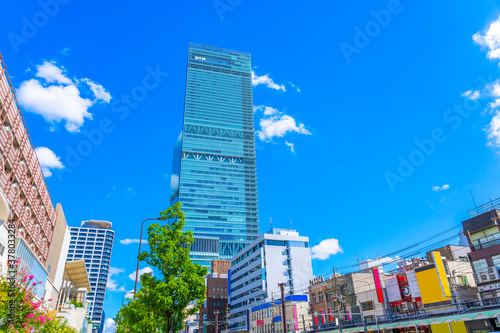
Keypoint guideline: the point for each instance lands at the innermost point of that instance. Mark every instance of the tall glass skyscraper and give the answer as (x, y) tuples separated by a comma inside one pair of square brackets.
[(93, 242), (214, 172)]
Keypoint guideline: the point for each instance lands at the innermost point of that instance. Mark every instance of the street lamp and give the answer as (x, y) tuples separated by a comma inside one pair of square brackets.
[(140, 242), (123, 297)]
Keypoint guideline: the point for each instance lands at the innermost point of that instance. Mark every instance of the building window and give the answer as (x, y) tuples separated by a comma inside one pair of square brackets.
[(321, 296), (485, 238), (2, 249), (275, 242), (462, 280), (367, 306), (314, 298), (480, 265), (464, 259)]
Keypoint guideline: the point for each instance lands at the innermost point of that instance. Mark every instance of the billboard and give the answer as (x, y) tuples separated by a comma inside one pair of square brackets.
[(393, 291), (445, 285), (378, 285), (413, 284), (430, 285)]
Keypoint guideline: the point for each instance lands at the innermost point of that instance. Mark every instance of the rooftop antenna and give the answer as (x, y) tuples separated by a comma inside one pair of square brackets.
[(290, 224), (472, 198), (271, 221)]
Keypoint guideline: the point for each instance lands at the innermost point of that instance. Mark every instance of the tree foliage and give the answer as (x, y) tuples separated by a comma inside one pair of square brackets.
[(162, 302)]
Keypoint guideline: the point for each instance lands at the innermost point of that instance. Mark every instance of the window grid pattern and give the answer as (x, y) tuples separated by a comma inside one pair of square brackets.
[(214, 173), (95, 247)]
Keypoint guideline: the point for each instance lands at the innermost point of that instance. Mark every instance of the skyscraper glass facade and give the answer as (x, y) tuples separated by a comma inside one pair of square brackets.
[(214, 173), (93, 242)]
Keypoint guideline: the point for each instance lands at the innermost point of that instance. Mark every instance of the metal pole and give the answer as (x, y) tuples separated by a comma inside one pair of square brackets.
[(304, 323), (140, 242), (283, 308), (362, 316), (216, 321), (187, 329)]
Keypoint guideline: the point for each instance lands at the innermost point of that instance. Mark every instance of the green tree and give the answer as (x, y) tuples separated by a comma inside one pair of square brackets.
[(161, 302)]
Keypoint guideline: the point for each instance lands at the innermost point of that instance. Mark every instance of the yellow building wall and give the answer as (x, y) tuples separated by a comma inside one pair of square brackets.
[(440, 328), (430, 287), (458, 327)]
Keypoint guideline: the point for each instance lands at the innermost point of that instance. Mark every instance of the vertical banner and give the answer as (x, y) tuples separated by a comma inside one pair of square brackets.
[(443, 279), (330, 316), (316, 319), (348, 315), (295, 318), (413, 284), (228, 283), (378, 285), (393, 291), (322, 316)]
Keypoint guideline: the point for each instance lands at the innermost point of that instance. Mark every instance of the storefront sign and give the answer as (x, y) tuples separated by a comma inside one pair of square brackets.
[(488, 287), (413, 284)]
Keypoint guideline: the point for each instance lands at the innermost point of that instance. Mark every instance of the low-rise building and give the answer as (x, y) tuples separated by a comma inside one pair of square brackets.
[(483, 234), (216, 302), (268, 317), (278, 256)]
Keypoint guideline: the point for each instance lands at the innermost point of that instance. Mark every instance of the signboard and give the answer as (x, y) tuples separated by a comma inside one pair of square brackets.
[(378, 285), (430, 285), (413, 284), (443, 279), (488, 287), (393, 291)]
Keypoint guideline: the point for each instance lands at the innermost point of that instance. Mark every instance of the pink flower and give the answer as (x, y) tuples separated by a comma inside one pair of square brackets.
[(31, 277), (34, 283)]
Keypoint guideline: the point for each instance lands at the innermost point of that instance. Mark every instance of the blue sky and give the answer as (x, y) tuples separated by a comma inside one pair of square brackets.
[(364, 101)]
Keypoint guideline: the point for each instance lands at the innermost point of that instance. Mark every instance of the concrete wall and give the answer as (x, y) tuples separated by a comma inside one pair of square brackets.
[(58, 253)]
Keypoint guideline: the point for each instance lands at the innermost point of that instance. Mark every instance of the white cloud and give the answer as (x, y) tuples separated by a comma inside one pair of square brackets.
[(115, 271), (57, 98), (490, 39), (48, 160), (128, 241), (325, 249), (266, 110), (472, 94), (279, 125), (265, 79), (141, 272), (113, 284), (51, 73), (441, 188), (109, 326), (294, 86), (494, 131), (99, 91), (291, 145)]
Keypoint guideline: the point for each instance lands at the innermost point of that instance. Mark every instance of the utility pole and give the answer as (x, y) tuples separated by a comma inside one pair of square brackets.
[(283, 308), (304, 323), (362, 316), (338, 298), (216, 321), (187, 329)]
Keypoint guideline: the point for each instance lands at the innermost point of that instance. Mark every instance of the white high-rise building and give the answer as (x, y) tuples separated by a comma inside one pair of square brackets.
[(93, 242), (279, 256)]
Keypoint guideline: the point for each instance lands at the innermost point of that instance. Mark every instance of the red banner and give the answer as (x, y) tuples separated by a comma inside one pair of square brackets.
[(260, 322), (378, 285)]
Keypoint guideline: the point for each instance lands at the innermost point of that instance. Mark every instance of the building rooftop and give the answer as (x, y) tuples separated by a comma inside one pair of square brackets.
[(493, 204), (96, 224)]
